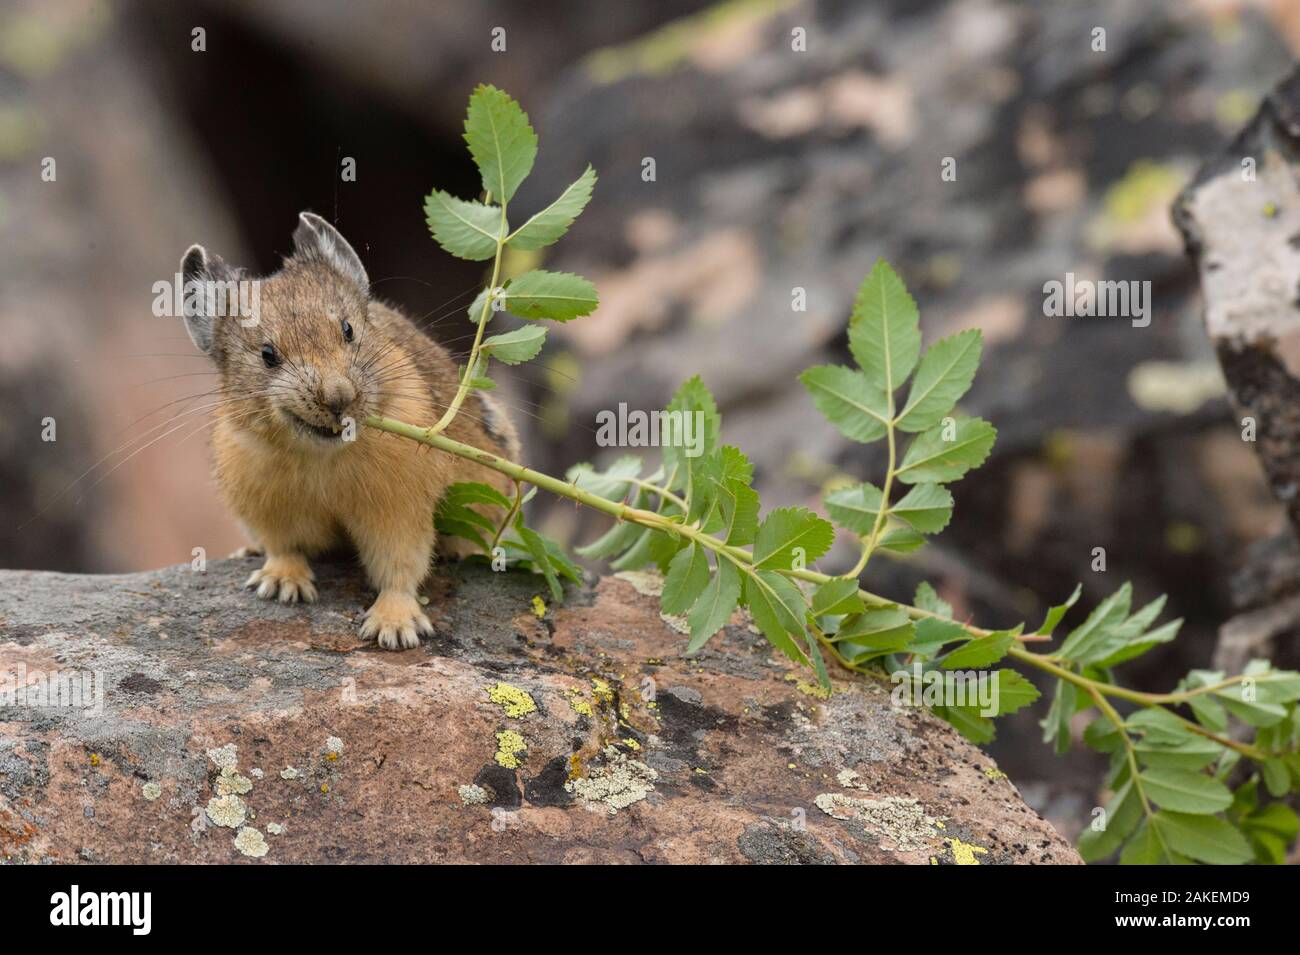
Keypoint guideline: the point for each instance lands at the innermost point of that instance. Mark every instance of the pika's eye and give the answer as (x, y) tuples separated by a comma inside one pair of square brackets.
[(347, 331), (270, 357)]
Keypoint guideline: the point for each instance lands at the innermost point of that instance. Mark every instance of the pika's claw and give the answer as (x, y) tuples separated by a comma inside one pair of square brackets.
[(252, 550), (395, 621), (288, 578)]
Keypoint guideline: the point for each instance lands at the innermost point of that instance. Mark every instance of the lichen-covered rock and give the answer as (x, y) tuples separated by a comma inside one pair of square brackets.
[(617, 747)]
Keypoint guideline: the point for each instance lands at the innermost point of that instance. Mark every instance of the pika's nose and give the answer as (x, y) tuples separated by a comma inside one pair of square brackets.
[(337, 394)]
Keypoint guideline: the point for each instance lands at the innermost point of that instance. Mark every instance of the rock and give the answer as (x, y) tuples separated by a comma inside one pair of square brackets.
[(225, 728), (1240, 220)]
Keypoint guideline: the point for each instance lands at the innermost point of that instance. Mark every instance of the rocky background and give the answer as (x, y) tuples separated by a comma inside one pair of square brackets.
[(774, 170)]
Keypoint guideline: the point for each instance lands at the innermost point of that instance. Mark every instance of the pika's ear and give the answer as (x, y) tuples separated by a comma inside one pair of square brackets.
[(317, 239), (198, 268)]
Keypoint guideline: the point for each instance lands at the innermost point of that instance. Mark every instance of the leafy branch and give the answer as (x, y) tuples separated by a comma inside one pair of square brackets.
[(1183, 785)]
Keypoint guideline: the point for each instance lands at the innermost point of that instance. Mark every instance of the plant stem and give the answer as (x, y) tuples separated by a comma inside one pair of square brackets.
[(472, 364)]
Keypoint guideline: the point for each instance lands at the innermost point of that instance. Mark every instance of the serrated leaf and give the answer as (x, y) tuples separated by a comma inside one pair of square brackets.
[(738, 505), (885, 330), (1014, 691), (715, 605), (613, 483), (1123, 812), (901, 540), (518, 346), (552, 222), (541, 558), (927, 599), (941, 455), (839, 595), (979, 652), (475, 492), (500, 139), (688, 575), (927, 507), (558, 296), (933, 634), (882, 629), (1088, 641), (787, 529), (967, 721), (1183, 790), (1054, 614), (692, 412), (854, 508), (1145, 848), (1203, 838), (849, 401), (943, 376), (778, 609), (468, 230)]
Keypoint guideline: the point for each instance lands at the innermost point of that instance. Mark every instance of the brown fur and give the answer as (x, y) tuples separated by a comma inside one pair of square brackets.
[(299, 494)]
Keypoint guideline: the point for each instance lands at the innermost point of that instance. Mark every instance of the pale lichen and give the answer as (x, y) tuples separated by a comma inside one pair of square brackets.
[(231, 782), (289, 773), (274, 828), (472, 795), (509, 745), (151, 791), (224, 757), (901, 823), (228, 810), (251, 843), (615, 785), (648, 583), (334, 745), (513, 701)]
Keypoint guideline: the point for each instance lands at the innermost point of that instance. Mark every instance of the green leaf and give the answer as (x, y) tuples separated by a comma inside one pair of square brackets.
[(1056, 724), (513, 348), (612, 484), (475, 492), (927, 507), (933, 634), (854, 508), (559, 296), (967, 721), (901, 540), (541, 558), (1250, 711), (979, 652), (1054, 614), (1014, 691), (1204, 838), (1183, 790), (786, 530), (468, 230), (945, 453), (1271, 830), (884, 629), (552, 222), (715, 605), (839, 595), (1089, 640), (1123, 812), (1145, 848), (943, 376), (885, 331), (500, 139), (693, 408), (928, 599), (688, 575), (778, 609), (849, 401), (738, 506)]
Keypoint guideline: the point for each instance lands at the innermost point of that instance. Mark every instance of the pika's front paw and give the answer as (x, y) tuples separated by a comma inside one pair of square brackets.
[(288, 578), (252, 550), (395, 621)]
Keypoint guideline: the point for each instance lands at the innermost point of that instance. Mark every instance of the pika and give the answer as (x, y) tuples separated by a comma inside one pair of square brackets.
[(290, 457)]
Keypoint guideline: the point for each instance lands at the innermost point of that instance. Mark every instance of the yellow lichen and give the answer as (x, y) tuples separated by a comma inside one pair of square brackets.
[(630, 743), (812, 689), (963, 853), (509, 745), (578, 702), (94, 759), (512, 700), (994, 773), (601, 690), (539, 607)]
